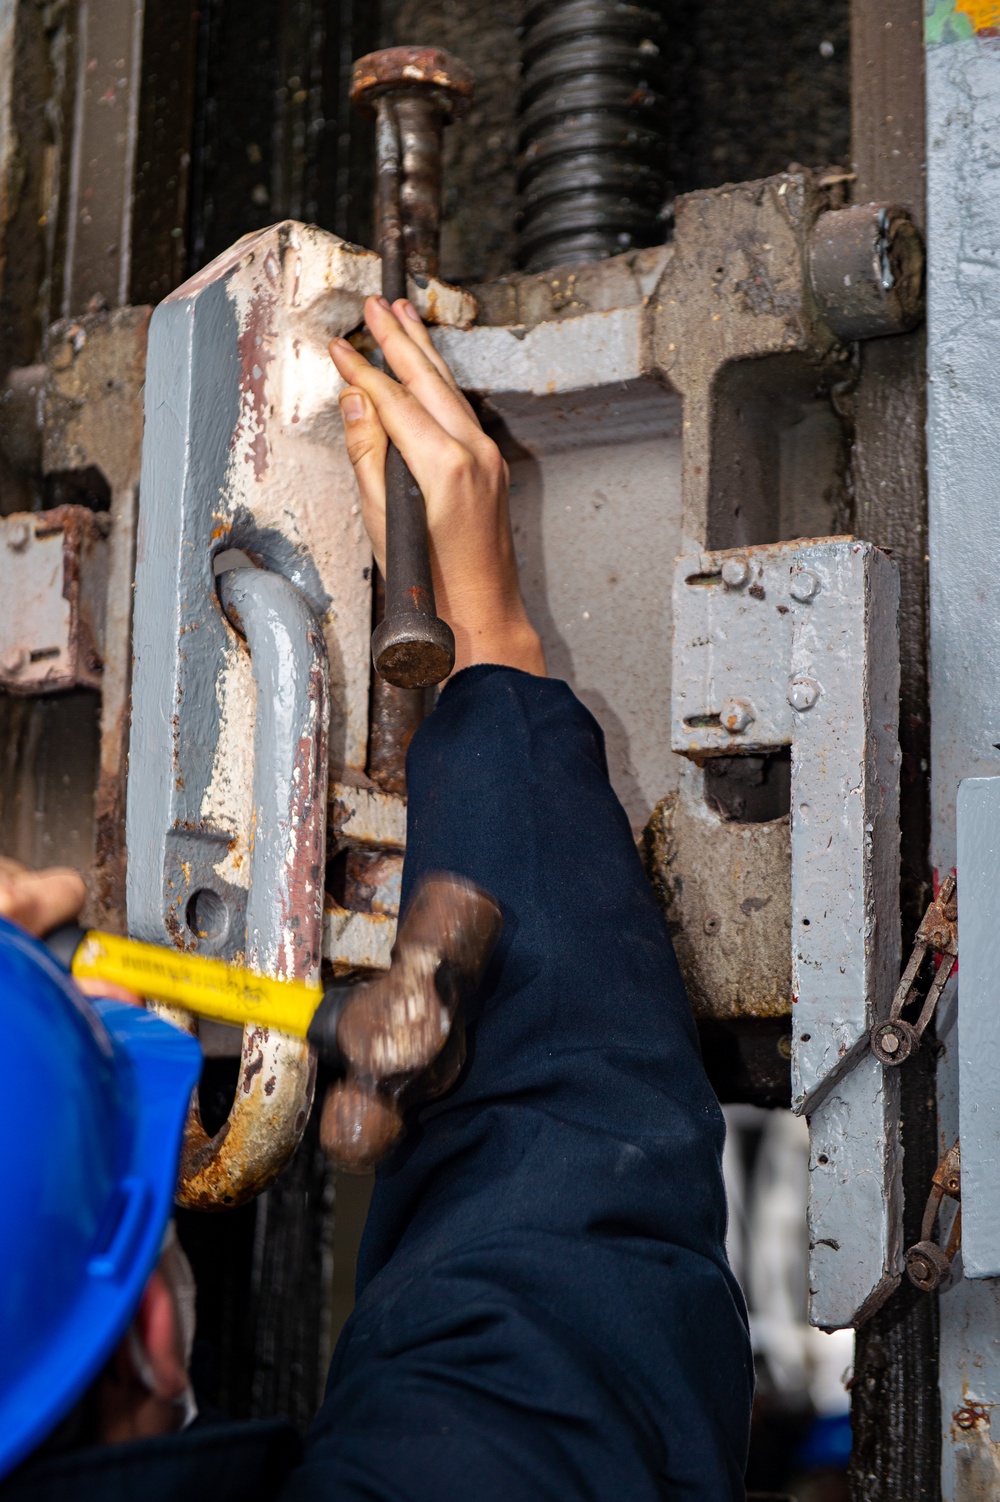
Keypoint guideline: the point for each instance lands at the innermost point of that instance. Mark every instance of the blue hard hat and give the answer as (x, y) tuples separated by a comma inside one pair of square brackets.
[(95, 1094)]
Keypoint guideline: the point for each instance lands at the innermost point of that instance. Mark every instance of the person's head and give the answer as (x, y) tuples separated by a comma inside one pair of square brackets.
[(96, 1304)]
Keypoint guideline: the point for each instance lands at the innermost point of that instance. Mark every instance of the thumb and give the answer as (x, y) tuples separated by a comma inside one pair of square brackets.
[(366, 449)]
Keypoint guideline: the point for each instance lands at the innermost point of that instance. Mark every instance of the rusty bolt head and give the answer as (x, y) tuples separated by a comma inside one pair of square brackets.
[(893, 1042), (804, 585), (428, 70), (803, 693), (735, 573), (968, 1416), (736, 714), (927, 1267), (18, 535), (14, 659)]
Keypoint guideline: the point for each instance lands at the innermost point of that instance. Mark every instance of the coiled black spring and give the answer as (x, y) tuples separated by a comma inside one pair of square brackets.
[(593, 164)]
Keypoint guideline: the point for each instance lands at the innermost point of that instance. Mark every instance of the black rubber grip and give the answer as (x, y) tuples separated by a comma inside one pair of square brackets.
[(322, 1032), (64, 941)]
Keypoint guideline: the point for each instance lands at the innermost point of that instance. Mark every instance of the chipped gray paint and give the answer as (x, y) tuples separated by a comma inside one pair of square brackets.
[(979, 1040), (749, 646), (963, 441)]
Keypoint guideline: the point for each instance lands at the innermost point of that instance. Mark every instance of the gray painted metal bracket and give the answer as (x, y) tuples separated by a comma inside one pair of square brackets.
[(978, 1034), (795, 644), (243, 450), (963, 462)]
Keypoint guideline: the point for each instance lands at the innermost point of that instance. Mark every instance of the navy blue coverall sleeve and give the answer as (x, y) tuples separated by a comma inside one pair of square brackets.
[(544, 1306)]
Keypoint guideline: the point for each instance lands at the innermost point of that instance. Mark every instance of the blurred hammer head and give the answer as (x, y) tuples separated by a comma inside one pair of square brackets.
[(400, 1036)]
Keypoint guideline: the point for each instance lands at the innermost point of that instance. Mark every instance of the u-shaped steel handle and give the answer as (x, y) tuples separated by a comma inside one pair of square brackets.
[(284, 915)]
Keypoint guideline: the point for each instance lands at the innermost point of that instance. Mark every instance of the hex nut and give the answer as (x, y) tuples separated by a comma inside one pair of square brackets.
[(18, 535), (736, 714), (803, 693), (804, 586), (735, 573)]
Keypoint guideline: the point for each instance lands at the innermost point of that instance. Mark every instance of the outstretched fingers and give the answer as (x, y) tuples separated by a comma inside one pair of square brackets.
[(408, 348), (423, 441)]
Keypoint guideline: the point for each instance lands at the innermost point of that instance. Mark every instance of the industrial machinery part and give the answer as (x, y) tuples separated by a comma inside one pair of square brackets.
[(893, 1042), (867, 269), (243, 456), (401, 1036), (227, 779), (796, 644), (963, 326), (423, 88), (594, 174), (277, 925), (929, 1265), (413, 92), (74, 422), (52, 622)]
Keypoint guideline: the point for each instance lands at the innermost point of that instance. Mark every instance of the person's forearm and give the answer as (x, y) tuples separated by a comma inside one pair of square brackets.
[(542, 1285), (583, 1010)]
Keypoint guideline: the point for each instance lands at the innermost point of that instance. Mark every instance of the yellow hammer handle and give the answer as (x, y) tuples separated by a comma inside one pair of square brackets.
[(208, 987)]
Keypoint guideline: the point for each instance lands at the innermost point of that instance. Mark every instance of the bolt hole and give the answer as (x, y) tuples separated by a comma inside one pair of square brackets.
[(822, 1158), (805, 922), (207, 916), (805, 1038)]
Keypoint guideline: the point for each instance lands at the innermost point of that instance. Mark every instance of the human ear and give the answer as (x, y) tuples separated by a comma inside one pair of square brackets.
[(158, 1332)]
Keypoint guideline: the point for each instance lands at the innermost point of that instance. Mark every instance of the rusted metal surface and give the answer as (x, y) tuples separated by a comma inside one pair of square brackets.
[(428, 70), (867, 269), (374, 881), (53, 574), (284, 904), (367, 818), (252, 331), (594, 165), (74, 425), (412, 92), (396, 714), (728, 906), (397, 1034), (413, 97), (99, 204), (356, 941), (893, 1042), (92, 425)]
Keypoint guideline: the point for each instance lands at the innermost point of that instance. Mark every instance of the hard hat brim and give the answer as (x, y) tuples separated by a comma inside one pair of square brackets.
[(159, 1067)]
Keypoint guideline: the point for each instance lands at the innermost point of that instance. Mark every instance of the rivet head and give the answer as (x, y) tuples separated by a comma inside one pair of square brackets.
[(735, 573), (804, 585), (803, 693), (18, 535), (736, 714)]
